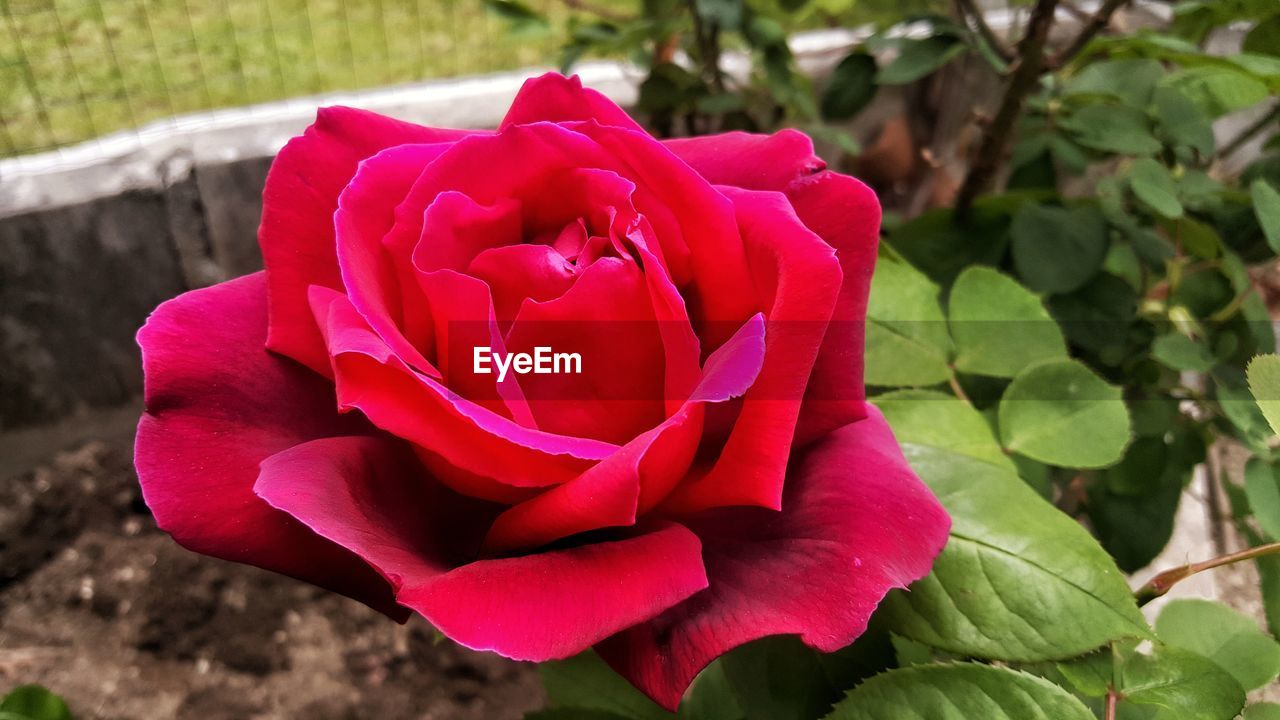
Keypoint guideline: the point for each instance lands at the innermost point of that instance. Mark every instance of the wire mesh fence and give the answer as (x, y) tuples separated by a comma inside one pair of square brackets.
[(71, 70)]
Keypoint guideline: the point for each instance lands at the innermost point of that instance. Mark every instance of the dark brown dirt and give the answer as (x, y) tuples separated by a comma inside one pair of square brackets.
[(106, 610)]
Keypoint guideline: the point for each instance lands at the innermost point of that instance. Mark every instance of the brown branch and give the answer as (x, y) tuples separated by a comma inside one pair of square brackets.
[(597, 10), (1099, 22), (1113, 699), (1163, 582), (1264, 122), (968, 11), (1026, 73)]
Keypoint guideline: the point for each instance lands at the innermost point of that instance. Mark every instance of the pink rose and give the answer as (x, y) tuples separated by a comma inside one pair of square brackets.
[(712, 474)]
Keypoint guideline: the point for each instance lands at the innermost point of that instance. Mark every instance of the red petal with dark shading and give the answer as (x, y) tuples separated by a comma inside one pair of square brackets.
[(298, 202), (555, 604), (218, 403), (855, 523)]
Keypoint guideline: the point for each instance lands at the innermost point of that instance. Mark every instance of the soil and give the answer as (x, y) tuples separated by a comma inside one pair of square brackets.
[(101, 607)]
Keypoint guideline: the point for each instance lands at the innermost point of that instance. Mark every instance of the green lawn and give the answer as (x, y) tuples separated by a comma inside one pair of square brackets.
[(75, 69)]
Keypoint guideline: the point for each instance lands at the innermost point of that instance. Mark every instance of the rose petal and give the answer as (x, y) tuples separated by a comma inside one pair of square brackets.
[(555, 98), (218, 403), (606, 318), (798, 278), (300, 197), (381, 283), (749, 161), (845, 213), (473, 450), (371, 496), (555, 604), (462, 319), (516, 272), (855, 523), (455, 229), (632, 480), (706, 229)]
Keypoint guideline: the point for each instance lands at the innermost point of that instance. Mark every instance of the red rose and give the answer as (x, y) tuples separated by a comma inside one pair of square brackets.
[(712, 474)]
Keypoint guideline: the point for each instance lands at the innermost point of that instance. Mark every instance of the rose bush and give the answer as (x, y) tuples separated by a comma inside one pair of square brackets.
[(712, 476)]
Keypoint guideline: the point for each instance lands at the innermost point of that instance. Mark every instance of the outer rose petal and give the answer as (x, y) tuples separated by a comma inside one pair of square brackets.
[(218, 403), (750, 161), (855, 523), (301, 194), (537, 607), (555, 98), (371, 496), (555, 604)]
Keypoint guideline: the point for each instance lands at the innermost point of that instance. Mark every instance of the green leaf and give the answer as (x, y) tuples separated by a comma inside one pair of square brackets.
[(725, 13), (907, 341), (852, 85), (585, 681), (1183, 122), (711, 697), (33, 702), (1113, 128), (939, 420), (1218, 89), (779, 678), (1269, 582), (1264, 382), (1262, 711), (1057, 250), (1226, 637), (1266, 204), (959, 692), (1178, 685), (1180, 352), (1262, 488), (1130, 81), (1059, 412), (1099, 317), (1132, 510), (522, 18), (1090, 675), (1241, 409), (1018, 580), (941, 247), (999, 327), (1264, 38), (918, 58), (1154, 186)]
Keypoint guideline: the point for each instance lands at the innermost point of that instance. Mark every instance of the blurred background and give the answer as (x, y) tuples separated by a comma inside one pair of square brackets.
[(135, 136)]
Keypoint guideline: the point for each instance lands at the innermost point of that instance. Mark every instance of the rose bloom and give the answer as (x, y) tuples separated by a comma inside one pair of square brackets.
[(712, 476)]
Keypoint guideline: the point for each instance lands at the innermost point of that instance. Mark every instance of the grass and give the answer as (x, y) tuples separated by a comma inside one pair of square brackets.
[(76, 69)]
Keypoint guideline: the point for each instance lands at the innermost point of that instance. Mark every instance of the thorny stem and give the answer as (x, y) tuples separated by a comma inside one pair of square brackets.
[(1163, 582), (1026, 72)]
